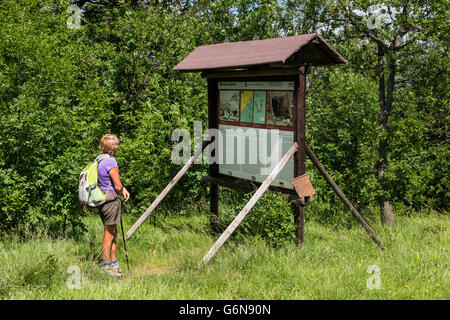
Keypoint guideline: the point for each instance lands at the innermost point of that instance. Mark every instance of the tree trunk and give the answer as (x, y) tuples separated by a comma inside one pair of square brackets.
[(387, 214)]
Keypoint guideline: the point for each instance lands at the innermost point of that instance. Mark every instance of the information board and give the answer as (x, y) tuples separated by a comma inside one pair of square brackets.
[(254, 118)]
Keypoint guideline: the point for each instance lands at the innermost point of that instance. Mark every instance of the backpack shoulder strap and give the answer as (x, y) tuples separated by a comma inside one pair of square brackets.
[(102, 158)]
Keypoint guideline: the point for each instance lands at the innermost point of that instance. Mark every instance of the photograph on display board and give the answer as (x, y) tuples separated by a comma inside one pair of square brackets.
[(259, 109), (229, 105), (279, 108), (247, 106)]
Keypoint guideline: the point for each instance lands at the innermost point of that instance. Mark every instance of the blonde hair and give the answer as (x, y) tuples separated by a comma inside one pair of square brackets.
[(109, 144)]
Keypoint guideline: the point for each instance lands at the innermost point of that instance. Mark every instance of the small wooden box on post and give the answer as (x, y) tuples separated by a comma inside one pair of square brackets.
[(257, 89)]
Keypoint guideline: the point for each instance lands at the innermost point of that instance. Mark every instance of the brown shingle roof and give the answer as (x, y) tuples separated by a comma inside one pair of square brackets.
[(261, 52)]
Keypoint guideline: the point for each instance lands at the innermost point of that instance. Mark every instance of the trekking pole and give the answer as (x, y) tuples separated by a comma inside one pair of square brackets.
[(124, 243)]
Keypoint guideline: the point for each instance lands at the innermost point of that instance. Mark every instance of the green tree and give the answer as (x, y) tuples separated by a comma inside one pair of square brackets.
[(390, 40)]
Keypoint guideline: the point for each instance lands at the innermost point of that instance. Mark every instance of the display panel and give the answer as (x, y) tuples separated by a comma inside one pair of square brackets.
[(252, 117), (246, 106), (258, 169), (263, 103), (279, 108), (259, 107), (229, 105)]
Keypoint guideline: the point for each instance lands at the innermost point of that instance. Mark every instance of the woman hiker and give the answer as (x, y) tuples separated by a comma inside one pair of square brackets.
[(109, 182)]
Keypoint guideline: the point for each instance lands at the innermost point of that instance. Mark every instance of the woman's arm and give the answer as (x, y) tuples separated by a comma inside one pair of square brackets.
[(114, 173)]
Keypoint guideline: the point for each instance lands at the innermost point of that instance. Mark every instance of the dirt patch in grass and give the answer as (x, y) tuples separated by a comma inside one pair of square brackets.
[(152, 270)]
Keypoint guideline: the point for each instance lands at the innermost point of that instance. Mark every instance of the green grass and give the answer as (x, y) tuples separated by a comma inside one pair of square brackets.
[(165, 254)]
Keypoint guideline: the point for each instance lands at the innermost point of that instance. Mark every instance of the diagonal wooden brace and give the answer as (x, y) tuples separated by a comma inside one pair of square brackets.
[(341, 195), (235, 223), (167, 189)]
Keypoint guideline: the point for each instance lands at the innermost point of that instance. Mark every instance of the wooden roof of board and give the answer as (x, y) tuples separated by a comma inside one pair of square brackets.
[(306, 49)]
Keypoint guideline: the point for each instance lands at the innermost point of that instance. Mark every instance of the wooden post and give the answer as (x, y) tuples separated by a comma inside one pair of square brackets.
[(339, 192), (213, 118), (299, 157), (235, 223), (166, 190)]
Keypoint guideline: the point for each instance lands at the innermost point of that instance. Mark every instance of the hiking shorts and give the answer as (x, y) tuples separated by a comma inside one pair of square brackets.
[(110, 212)]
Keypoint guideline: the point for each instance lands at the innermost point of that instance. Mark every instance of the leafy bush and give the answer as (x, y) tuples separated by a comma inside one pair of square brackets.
[(271, 218), (61, 90)]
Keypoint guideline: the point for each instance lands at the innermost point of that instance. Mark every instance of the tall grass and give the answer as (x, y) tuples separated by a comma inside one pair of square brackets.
[(165, 256)]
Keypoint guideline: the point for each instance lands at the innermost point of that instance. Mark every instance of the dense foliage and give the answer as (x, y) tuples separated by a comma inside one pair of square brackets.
[(61, 89)]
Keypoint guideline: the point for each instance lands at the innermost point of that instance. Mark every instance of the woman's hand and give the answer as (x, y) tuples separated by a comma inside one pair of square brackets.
[(126, 194), (85, 209)]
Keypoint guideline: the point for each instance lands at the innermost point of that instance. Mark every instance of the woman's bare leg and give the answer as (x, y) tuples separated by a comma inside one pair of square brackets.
[(109, 243), (113, 244)]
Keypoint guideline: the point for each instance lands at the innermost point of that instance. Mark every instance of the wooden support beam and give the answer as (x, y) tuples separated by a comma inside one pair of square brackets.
[(299, 157), (341, 195), (251, 73), (247, 186), (240, 185), (235, 223), (213, 123), (167, 189)]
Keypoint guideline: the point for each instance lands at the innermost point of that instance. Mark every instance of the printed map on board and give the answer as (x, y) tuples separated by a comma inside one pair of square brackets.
[(246, 106)]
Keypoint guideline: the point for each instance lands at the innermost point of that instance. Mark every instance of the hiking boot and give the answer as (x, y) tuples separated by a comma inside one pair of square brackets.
[(115, 266), (108, 269)]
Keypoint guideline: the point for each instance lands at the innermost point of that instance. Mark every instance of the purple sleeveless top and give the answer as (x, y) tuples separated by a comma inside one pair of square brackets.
[(104, 179)]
